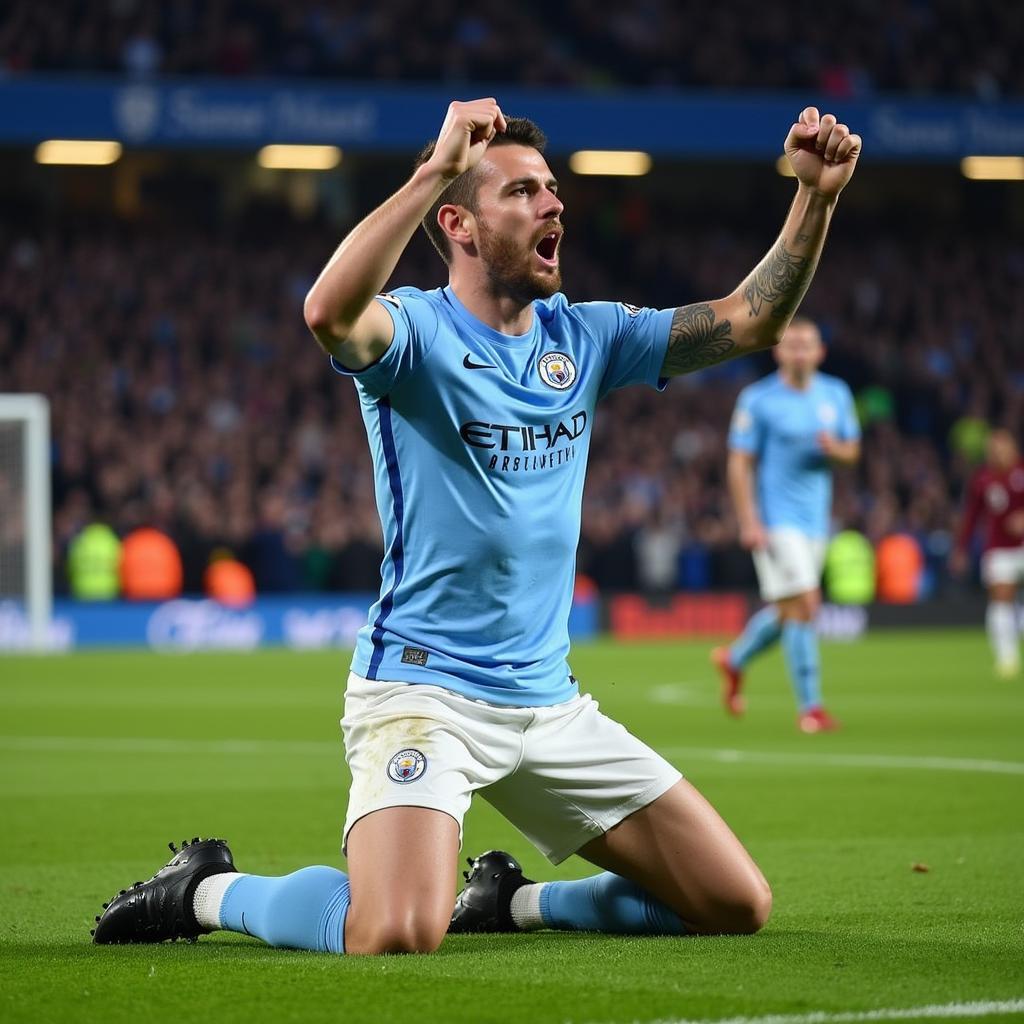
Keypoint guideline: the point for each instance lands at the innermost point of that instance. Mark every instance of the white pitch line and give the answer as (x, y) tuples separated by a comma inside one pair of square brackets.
[(945, 764), (945, 1010), (318, 748)]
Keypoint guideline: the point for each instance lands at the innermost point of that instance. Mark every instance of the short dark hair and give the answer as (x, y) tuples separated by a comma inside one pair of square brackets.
[(519, 131)]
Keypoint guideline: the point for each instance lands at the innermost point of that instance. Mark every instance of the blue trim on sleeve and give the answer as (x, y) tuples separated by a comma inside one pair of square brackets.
[(397, 552)]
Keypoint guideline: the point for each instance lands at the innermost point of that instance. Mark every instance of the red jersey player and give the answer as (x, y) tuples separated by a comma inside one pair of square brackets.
[(996, 497)]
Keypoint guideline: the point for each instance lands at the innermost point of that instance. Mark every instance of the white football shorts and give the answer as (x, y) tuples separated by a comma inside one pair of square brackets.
[(791, 564), (562, 774), (1003, 565)]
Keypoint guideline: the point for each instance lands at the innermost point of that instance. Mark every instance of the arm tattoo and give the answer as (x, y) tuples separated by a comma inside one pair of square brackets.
[(695, 340), (780, 279)]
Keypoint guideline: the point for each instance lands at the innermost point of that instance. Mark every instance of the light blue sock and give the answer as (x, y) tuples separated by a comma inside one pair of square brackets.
[(303, 910), (762, 630), (606, 903), (800, 642)]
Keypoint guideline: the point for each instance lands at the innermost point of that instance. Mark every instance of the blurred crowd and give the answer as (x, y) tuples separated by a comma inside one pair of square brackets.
[(917, 46), (188, 395)]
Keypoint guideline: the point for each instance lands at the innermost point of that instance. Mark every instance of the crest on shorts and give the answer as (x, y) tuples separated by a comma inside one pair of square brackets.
[(557, 370), (406, 766)]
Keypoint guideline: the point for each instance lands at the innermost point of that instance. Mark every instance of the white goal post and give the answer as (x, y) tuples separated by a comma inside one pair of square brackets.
[(26, 573)]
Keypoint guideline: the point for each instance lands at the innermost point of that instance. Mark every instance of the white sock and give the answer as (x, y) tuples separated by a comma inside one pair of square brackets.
[(1001, 623), (209, 896), (525, 907)]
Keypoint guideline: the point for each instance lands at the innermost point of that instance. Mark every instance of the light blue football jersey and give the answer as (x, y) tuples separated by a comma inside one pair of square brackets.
[(780, 426), (480, 443)]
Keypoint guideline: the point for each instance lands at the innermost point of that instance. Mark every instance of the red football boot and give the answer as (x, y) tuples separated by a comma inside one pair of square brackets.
[(732, 682), (817, 720)]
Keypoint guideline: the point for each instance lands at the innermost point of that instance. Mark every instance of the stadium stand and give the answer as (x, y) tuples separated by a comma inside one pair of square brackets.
[(924, 46), (188, 396)]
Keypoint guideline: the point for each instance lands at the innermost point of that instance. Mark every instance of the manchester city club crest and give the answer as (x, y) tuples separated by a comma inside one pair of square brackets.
[(557, 370), (406, 766)]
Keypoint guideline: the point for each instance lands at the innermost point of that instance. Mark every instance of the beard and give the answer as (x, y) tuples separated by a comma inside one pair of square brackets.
[(509, 271)]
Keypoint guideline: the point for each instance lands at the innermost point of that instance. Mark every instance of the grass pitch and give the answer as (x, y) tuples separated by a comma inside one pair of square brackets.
[(105, 757)]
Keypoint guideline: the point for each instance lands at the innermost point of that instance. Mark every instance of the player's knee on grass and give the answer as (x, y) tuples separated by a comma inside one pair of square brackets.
[(743, 910), (409, 932), (744, 914)]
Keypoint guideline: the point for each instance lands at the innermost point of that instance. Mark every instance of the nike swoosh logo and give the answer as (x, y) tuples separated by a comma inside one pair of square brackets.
[(476, 366)]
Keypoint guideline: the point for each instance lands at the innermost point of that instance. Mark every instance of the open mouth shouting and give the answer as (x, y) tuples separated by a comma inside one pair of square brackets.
[(547, 247)]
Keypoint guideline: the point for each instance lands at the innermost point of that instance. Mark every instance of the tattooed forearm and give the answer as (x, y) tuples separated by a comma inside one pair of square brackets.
[(780, 280), (695, 340), (706, 333)]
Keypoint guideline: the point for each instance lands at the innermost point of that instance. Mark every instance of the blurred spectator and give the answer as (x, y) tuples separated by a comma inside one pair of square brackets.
[(850, 569), (229, 582), (94, 564), (150, 566), (658, 544), (839, 50), (899, 564), (968, 437)]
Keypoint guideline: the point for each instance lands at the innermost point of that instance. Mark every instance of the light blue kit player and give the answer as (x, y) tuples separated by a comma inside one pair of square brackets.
[(787, 431), (479, 402)]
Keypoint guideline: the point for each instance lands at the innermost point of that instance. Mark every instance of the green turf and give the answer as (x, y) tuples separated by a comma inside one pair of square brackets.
[(854, 928)]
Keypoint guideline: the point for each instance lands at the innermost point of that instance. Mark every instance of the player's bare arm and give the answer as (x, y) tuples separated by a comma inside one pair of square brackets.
[(740, 477), (823, 154), (339, 308)]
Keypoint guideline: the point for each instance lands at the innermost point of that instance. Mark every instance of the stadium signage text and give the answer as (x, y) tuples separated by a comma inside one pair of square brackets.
[(208, 112), (298, 621)]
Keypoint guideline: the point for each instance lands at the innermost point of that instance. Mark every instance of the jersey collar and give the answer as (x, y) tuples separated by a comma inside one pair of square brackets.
[(480, 328), (786, 386)]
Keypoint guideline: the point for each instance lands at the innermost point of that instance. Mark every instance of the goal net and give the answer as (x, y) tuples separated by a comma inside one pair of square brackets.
[(26, 588)]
